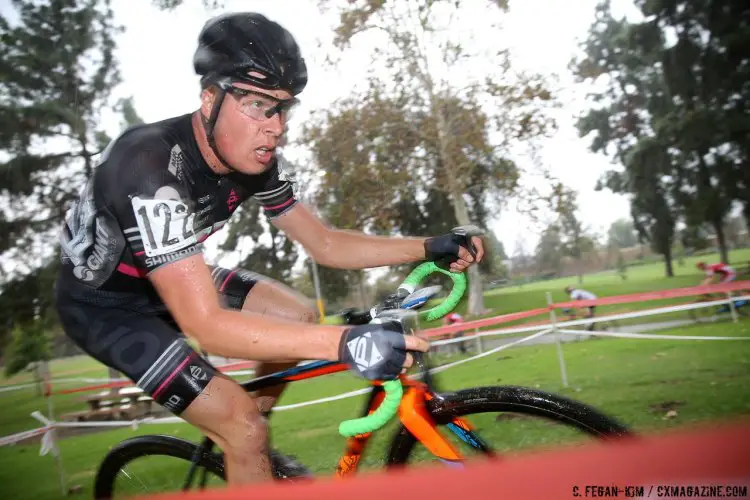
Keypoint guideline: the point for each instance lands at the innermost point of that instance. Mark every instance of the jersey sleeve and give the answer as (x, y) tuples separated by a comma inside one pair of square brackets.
[(276, 192), (153, 210)]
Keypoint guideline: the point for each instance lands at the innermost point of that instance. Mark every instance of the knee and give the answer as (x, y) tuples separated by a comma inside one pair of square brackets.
[(240, 428)]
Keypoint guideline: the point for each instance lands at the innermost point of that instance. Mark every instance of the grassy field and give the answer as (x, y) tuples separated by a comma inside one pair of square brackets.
[(641, 278), (636, 381)]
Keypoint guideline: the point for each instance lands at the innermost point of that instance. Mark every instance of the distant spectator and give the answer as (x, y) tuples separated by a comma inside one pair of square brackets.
[(581, 294), (452, 319)]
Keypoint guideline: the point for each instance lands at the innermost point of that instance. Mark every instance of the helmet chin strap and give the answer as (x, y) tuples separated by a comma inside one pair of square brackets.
[(210, 123)]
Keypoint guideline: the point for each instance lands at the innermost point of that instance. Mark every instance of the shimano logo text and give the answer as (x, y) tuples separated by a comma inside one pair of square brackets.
[(163, 259)]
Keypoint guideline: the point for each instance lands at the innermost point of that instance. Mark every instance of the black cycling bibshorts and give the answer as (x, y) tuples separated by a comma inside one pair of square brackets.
[(127, 334)]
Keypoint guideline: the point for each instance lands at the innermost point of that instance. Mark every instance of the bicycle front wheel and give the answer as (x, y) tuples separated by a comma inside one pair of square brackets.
[(514, 416)]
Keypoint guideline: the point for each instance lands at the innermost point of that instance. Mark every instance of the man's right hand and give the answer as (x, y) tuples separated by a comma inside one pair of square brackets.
[(379, 351)]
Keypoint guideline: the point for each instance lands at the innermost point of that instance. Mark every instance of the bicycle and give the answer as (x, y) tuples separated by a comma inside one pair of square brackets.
[(428, 416), (704, 314), (602, 323)]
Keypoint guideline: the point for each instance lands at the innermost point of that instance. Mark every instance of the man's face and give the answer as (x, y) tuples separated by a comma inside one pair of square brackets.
[(245, 136)]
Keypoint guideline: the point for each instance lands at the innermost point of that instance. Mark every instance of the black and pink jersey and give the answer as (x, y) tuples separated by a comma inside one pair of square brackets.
[(153, 200)]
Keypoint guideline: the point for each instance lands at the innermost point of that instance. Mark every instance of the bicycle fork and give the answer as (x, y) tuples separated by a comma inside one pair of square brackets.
[(416, 418)]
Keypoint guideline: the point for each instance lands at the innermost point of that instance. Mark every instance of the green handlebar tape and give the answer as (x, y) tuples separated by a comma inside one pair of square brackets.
[(378, 418), (393, 389), (459, 287)]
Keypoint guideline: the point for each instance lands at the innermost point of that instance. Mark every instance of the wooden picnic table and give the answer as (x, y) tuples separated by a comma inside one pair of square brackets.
[(126, 395), (126, 403)]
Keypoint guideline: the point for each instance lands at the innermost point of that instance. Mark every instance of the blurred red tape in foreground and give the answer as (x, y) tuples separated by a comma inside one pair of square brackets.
[(707, 456)]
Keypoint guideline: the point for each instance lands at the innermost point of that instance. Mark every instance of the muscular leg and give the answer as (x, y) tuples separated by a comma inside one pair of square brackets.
[(230, 417), (150, 350), (233, 418), (271, 297)]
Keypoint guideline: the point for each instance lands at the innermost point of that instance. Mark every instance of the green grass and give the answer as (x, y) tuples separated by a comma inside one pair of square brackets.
[(74, 366), (625, 378), (641, 278), (636, 273), (628, 379)]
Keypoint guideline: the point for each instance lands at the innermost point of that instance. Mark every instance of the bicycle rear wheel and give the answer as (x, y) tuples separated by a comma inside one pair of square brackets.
[(157, 464), (153, 464), (517, 406)]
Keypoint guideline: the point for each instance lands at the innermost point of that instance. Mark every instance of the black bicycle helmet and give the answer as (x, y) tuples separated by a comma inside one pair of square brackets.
[(232, 45)]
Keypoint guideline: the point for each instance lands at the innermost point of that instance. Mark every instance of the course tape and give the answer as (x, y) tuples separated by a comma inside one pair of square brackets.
[(51, 425), (583, 321), (617, 299), (48, 441), (626, 335)]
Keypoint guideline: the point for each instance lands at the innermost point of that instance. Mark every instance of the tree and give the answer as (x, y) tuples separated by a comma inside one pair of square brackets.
[(622, 234), (30, 345), (706, 67), (624, 122), (492, 264), (462, 147), (622, 266), (563, 202), (678, 81), (549, 251), (170, 5), (58, 69), (735, 231), (695, 238)]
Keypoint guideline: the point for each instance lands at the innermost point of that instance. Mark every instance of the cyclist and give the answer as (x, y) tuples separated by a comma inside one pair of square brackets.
[(134, 284), (725, 273), (581, 294)]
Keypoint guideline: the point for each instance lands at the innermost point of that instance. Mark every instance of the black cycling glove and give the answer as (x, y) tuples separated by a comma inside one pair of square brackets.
[(374, 351), (443, 250)]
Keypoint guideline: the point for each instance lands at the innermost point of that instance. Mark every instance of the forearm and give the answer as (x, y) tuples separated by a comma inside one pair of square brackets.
[(246, 335), (355, 250)]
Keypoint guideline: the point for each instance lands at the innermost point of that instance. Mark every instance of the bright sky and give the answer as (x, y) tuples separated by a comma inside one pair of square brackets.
[(155, 57)]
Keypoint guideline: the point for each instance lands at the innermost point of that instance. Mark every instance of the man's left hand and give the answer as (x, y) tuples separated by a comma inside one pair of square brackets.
[(464, 257), (448, 251)]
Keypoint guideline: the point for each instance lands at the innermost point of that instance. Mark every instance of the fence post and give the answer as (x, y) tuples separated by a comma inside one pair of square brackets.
[(560, 357), (731, 307), (56, 452), (478, 341)]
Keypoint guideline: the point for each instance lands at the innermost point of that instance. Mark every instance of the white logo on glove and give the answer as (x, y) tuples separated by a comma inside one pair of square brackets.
[(364, 352)]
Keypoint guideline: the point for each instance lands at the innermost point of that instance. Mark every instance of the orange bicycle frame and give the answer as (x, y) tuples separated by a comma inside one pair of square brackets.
[(413, 414)]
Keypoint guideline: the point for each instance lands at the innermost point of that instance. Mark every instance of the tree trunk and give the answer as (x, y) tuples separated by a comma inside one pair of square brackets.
[(668, 271), (476, 297), (721, 241), (38, 378)]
